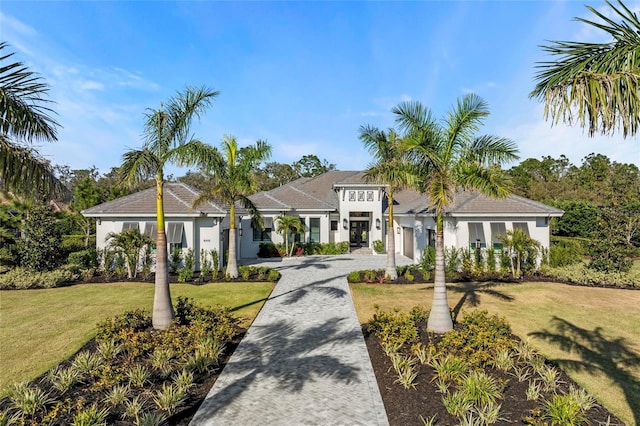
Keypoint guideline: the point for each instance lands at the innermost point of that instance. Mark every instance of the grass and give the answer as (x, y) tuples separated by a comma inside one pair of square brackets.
[(593, 333), (40, 328)]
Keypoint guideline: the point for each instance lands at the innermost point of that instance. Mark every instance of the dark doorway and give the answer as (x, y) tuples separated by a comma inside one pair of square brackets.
[(359, 233)]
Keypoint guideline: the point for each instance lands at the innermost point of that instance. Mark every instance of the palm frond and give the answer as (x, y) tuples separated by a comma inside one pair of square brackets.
[(195, 153), (24, 111), (489, 150), (465, 120), (24, 172), (595, 84), (138, 165), (490, 181)]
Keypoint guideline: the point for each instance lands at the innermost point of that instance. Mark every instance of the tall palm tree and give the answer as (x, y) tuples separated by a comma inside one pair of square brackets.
[(168, 139), (286, 225), (598, 82), (25, 117), (389, 168), (452, 157), (232, 182)]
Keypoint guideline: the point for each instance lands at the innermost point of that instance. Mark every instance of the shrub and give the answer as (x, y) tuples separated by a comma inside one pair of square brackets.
[(268, 250), (20, 278), (354, 277), (273, 275), (378, 246), (176, 260), (451, 260), (428, 262), (580, 274), (215, 261), (84, 258), (565, 251), (479, 339), (394, 328)]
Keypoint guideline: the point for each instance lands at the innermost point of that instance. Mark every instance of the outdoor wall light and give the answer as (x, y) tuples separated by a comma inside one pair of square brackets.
[(398, 230), (240, 231), (99, 221), (377, 223), (345, 223)]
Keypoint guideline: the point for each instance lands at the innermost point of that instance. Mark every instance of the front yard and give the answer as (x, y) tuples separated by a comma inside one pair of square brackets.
[(40, 328), (592, 333)]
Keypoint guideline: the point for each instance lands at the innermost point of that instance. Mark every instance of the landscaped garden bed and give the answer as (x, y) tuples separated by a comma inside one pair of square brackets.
[(477, 374), (130, 374)]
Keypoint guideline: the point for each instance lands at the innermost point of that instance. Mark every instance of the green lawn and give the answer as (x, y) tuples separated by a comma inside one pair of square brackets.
[(40, 328), (594, 333)]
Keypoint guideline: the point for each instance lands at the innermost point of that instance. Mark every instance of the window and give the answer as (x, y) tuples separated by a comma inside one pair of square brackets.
[(369, 195), (174, 235), (476, 235), (360, 195), (498, 229), (522, 226), (352, 195), (261, 234), (314, 230), (130, 225), (334, 225), (151, 230)]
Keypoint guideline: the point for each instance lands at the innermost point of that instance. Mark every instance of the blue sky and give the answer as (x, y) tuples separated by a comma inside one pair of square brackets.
[(302, 75)]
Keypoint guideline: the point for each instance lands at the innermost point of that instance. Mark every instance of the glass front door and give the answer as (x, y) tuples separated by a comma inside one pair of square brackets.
[(359, 233)]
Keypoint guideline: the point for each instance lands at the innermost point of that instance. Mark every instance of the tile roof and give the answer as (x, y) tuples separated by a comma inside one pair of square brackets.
[(178, 199)]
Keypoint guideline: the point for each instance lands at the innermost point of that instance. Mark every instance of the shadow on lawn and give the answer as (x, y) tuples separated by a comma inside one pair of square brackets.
[(598, 353), (471, 294)]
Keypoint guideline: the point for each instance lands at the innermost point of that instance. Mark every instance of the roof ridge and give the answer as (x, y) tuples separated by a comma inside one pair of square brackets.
[(266, 194), (197, 193), (177, 197)]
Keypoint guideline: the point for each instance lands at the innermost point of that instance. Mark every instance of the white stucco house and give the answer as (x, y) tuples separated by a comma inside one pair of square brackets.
[(336, 206)]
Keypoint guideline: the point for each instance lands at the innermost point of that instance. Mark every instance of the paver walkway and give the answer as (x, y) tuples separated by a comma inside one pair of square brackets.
[(303, 361)]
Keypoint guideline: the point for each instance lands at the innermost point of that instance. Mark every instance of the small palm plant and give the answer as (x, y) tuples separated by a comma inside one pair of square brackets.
[(288, 226)]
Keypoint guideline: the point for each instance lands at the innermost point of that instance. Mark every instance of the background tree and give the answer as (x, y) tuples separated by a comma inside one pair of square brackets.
[(130, 244), (609, 249), (390, 168), (25, 117), (289, 225), (39, 247), (232, 182), (595, 82), (311, 166), (273, 175), (452, 157), (168, 139)]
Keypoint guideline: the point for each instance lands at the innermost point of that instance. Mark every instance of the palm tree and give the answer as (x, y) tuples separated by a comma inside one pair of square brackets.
[(519, 246), (452, 158), (24, 118), (286, 225), (597, 81), (391, 169), (232, 182), (168, 140), (130, 243)]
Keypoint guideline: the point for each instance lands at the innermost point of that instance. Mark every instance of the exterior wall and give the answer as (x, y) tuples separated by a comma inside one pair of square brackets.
[(198, 232), (356, 199), (538, 229)]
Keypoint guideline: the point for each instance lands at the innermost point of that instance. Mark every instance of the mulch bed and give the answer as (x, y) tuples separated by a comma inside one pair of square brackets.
[(405, 406)]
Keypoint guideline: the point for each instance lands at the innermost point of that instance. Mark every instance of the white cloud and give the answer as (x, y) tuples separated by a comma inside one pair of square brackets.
[(91, 85), (10, 23)]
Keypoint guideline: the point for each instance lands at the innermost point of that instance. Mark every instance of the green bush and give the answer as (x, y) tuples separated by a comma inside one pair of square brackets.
[(565, 251), (175, 260), (268, 250), (273, 275), (579, 273), (394, 328), (354, 277), (428, 262), (378, 246), (479, 339), (85, 258), (21, 278)]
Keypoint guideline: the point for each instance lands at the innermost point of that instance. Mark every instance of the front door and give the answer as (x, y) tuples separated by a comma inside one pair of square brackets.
[(359, 233)]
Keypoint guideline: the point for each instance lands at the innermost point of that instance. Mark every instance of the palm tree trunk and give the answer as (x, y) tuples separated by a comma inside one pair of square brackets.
[(391, 270), (440, 315), (232, 264), (162, 308)]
